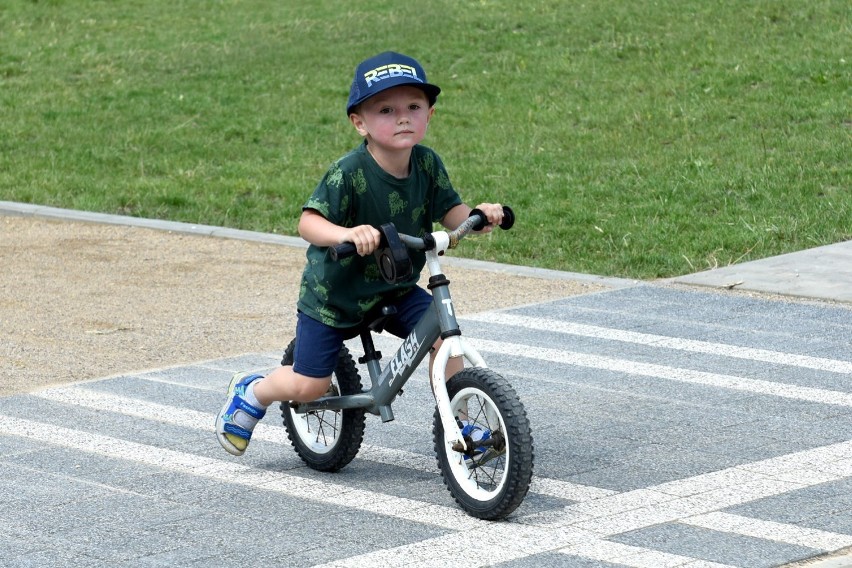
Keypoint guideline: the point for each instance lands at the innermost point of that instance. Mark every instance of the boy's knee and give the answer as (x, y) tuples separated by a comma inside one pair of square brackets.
[(307, 389)]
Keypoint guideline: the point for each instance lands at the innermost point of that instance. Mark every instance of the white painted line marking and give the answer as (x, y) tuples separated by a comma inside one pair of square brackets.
[(634, 556), (770, 530), (569, 491), (105, 402), (491, 546), (579, 529), (525, 541), (230, 472), (609, 334), (732, 382), (582, 529)]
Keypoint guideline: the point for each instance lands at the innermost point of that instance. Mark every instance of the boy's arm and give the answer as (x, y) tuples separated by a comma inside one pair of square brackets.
[(457, 215), (319, 231)]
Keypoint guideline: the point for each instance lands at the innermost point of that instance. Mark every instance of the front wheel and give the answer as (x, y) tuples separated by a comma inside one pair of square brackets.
[(327, 440), (492, 479)]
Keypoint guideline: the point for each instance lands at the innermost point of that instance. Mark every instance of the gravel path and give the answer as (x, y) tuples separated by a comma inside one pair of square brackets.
[(80, 301)]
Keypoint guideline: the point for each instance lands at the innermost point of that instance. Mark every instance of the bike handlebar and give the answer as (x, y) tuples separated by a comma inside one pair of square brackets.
[(475, 222)]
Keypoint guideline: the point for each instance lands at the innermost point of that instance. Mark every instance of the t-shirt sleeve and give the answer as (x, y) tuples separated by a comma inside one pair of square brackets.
[(444, 196), (331, 196)]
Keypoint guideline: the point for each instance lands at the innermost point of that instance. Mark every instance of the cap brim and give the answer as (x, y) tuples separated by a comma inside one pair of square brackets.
[(432, 91)]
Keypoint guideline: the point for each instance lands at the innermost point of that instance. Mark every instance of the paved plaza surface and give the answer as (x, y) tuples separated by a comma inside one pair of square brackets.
[(673, 426)]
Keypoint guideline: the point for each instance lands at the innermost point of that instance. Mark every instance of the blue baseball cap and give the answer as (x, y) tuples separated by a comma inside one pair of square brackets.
[(386, 70)]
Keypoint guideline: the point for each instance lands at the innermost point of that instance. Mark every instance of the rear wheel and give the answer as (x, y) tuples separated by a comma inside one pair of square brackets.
[(491, 480), (327, 440)]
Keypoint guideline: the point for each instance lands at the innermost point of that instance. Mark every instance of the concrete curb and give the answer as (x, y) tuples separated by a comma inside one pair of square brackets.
[(11, 208)]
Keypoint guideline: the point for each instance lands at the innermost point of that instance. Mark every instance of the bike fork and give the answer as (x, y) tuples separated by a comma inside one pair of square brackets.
[(454, 346)]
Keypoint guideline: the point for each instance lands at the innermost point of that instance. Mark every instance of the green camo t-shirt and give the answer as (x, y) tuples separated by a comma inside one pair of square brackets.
[(356, 191)]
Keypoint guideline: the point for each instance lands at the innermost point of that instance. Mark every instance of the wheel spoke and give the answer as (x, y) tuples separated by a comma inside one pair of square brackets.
[(326, 429)]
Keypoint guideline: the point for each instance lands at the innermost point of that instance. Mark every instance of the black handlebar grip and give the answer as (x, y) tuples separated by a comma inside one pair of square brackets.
[(506, 224), (482, 220), (343, 250), (508, 218)]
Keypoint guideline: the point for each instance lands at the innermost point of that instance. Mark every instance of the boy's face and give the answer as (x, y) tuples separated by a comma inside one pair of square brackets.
[(395, 119)]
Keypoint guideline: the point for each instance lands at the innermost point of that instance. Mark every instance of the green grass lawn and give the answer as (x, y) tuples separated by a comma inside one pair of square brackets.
[(636, 139)]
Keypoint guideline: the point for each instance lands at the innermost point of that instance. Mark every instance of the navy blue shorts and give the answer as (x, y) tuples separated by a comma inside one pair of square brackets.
[(318, 345)]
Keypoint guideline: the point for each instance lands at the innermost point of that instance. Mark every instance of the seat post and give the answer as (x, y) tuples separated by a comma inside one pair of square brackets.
[(371, 356)]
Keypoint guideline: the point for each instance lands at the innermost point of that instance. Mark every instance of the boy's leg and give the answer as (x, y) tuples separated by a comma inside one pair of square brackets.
[(285, 384), (315, 357), (454, 364)]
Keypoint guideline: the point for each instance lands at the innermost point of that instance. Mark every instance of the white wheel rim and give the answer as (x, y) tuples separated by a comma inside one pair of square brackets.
[(317, 430), (465, 476)]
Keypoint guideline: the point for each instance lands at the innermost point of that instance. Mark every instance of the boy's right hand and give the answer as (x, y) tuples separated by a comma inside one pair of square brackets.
[(365, 238)]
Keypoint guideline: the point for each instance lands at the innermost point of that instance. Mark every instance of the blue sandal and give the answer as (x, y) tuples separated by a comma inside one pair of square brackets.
[(237, 419), (476, 434)]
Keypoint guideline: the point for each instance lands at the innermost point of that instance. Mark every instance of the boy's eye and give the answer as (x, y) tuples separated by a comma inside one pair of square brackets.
[(413, 106), (385, 110)]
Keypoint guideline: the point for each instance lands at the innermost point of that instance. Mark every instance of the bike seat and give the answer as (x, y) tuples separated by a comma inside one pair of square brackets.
[(377, 323), (374, 321)]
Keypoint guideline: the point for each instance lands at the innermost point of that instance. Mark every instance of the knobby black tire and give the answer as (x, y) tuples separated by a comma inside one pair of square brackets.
[(517, 465), (348, 425)]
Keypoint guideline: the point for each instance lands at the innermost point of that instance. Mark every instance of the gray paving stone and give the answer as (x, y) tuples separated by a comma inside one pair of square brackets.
[(116, 544), (827, 506), (49, 557), (818, 379), (714, 546), (247, 362)]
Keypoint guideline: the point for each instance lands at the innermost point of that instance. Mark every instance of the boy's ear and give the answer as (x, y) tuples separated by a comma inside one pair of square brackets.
[(358, 123), (431, 114)]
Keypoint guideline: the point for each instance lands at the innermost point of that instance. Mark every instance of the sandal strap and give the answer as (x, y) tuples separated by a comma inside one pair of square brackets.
[(239, 403), (243, 417), (231, 428)]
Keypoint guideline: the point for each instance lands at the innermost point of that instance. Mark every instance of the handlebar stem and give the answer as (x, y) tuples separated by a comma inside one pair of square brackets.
[(442, 243)]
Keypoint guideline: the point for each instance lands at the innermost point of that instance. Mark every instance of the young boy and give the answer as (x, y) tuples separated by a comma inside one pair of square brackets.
[(390, 177)]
